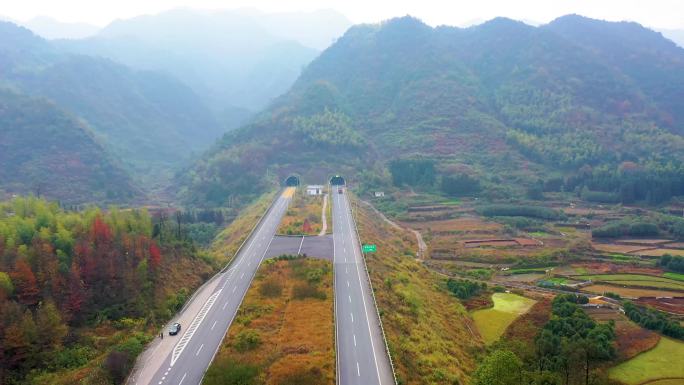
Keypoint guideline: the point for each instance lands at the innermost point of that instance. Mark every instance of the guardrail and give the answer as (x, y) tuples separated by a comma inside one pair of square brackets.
[(223, 270), (375, 303)]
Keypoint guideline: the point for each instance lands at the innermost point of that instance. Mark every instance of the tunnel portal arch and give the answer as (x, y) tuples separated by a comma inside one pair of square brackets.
[(292, 181), (337, 181)]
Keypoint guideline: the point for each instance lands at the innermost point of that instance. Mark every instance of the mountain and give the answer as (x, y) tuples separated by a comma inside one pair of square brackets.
[(50, 28), (676, 35), (233, 59), (503, 102), (643, 55), (46, 151), (150, 121)]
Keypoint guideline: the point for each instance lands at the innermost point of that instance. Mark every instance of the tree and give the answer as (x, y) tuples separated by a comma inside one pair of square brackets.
[(50, 329), (460, 184), (501, 367), (155, 255), (6, 286), (25, 283), (76, 292), (18, 344)]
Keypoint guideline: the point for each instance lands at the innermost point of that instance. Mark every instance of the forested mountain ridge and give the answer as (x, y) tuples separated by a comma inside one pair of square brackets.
[(150, 121), (501, 102), (46, 151)]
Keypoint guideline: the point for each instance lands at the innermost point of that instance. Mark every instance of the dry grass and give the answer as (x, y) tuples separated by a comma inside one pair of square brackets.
[(229, 240), (427, 328), (297, 335), (303, 216), (526, 327)]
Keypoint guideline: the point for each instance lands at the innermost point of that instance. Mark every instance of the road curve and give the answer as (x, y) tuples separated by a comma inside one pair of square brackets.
[(361, 354), (198, 341)]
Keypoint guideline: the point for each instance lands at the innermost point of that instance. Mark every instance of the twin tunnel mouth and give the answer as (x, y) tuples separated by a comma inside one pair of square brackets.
[(293, 181)]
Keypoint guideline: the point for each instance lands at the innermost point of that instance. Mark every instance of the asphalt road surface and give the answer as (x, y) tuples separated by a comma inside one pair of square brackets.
[(311, 246), (199, 341), (361, 354)]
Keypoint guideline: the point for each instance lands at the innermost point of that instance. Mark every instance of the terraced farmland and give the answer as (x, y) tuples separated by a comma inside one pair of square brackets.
[(635, 280)]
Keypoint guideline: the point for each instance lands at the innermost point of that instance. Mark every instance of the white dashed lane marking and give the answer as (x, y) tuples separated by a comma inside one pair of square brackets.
[(178, 350)]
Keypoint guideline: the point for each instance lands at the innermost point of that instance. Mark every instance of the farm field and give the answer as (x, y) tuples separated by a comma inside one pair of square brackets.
[(527, 277), (492, 322), (635, 280), (657, 363), (456, 225), (284, 330), (661, 252), (617, 248), (675, 276), (630, 338), (629, 292), (670, 305)]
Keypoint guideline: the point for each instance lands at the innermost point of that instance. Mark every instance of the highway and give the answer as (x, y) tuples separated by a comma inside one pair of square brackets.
[(196, 345), (361, 353)]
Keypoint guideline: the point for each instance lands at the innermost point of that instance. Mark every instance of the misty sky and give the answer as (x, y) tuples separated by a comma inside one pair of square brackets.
[(653, 13)]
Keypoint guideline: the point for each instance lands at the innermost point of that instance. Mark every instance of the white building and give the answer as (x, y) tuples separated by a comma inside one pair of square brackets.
[(379, 194), (314, 189)]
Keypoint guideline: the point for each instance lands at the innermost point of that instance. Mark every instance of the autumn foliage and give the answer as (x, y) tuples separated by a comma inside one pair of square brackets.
[(63, 270)]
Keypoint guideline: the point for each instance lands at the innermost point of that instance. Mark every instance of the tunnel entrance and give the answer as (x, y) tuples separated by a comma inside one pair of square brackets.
[(337, 181), (292, 181)]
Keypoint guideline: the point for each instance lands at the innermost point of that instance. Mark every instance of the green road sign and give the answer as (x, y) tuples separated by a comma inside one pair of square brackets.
[(369, 248)]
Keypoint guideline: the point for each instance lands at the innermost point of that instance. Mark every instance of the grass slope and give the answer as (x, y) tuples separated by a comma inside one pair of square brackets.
[(427, 329), (229, 240)]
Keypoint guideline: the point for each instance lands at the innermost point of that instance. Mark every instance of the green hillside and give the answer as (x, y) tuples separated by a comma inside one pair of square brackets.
[(45, 151), (150, 121), (504, 104)]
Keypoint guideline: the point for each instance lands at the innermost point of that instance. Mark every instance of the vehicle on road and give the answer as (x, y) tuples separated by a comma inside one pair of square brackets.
[(174, 329), (339, 191)]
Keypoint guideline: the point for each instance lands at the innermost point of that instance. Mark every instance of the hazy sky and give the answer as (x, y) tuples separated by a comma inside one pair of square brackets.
[(652, 13)]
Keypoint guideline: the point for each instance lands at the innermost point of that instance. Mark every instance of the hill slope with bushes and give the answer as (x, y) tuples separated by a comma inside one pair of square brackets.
[(503, 103), (48, 152)]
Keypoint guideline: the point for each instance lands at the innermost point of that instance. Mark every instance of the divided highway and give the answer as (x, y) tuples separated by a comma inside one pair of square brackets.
[(198, 341), (361, 354)]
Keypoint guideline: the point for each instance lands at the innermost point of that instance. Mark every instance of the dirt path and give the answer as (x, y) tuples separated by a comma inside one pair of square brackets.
[(324, 218), (422, 246)]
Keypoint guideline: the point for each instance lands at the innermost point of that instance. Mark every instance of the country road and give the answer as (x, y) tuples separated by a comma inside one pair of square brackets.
[(185, 360), (361, 351)]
